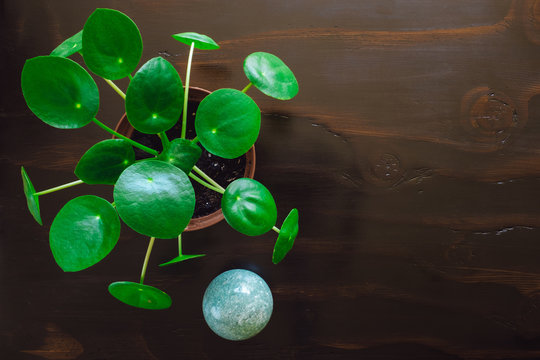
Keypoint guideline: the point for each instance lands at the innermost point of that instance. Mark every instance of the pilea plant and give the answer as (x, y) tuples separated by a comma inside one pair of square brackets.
[(154, 196)]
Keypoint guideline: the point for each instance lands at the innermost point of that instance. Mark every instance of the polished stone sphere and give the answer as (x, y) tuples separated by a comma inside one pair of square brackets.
[(237, 304)]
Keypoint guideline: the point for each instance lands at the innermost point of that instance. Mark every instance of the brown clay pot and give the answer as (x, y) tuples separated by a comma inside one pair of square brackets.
[(197, 95)]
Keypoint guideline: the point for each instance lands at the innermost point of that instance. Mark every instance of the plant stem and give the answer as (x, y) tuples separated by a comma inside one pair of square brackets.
[(134, 143), (164, 140), (146, 258), (204, 183), (195, 140), (180, 245), (61, 187), (116, 88), (208, 178), (244, 90), (276, 229), (130, 77), (186, 92)]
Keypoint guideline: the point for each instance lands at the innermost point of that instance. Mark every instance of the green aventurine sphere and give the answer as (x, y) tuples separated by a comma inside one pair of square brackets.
[(237, 304)]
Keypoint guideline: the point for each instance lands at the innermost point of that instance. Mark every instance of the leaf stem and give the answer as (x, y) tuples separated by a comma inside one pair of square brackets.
[(164, 140), (276, 229), (146, 258), (116, 88), (130, 77), (195, 140), (208, 178), (244, 90), (132, 142), (61, 187), (186, 92), (204, 183)]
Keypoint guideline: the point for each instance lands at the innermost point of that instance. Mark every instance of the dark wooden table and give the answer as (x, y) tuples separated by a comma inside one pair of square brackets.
[(412, 152)]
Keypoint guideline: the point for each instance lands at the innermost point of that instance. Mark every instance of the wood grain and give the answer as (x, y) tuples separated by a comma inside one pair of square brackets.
[(412, 153)]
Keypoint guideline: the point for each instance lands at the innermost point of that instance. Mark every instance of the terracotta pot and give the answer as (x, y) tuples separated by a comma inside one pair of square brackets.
[(196, 95)]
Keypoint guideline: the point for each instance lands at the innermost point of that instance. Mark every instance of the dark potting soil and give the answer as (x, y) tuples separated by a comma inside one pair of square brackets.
[(223, 171)]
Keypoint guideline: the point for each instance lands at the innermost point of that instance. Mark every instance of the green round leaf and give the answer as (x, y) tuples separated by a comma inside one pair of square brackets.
[(112, 44), (270, 75), (200, 41), (69, 46), (286, 237), (140, 295), (181, 153), (154, 97), (32, 200), (104, 162), (59, 91), (155, 199), (228, 123), (181, 258), (249, 207), (83, 232)]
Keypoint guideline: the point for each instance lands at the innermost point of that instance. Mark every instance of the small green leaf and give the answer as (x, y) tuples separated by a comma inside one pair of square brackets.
[(69, 46), (270, 75), (249, 207), (140, 295), (155, 199), (104, 162), (112, 44), (200, 41), (228, 123), (181, 258), (286, 237), (83, 232), (181, 153), (59, 91), (154, 97), (32, 200)]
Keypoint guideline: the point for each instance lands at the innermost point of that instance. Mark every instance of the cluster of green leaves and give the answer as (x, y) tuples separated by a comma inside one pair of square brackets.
[(154, 197)]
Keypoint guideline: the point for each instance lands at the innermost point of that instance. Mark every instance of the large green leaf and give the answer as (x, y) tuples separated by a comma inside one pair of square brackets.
[(249, 207), (69, 46), (155, 199), (270, 75), (199, 41), (59, 91), (286, 237), (228, 123), (83, 232), (112, 44), (154, 97), (181, 153), (32, 200), (104, 162), (140, 295)]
